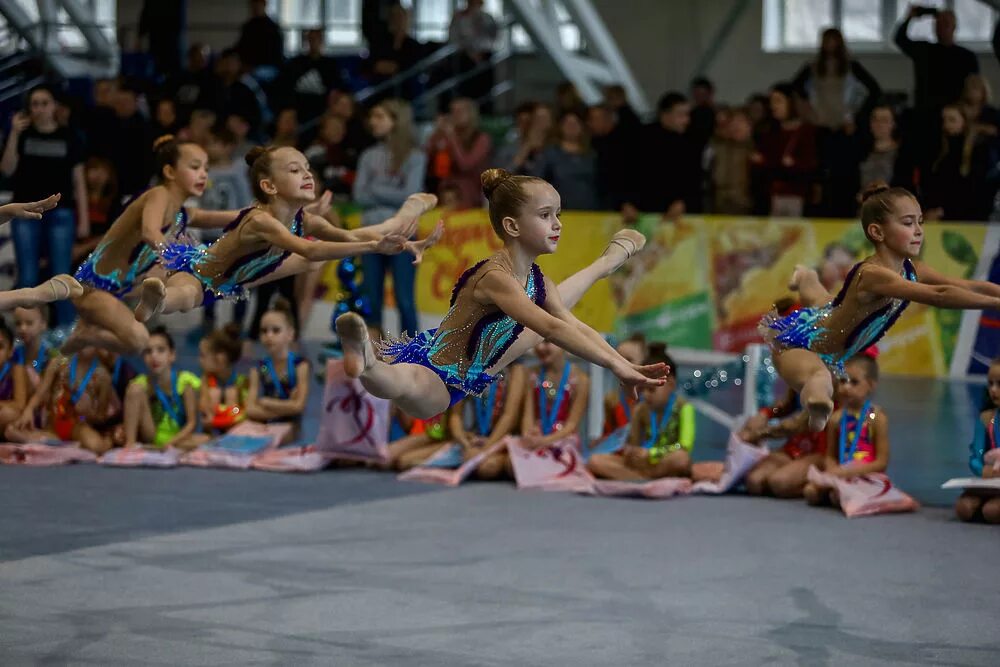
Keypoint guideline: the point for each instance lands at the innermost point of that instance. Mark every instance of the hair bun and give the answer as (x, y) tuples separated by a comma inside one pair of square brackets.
[(491, 180), (254, 154), (872, 189), (162, 141)]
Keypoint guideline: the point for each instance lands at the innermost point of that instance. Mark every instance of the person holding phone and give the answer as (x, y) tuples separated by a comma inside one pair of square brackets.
[(939, 69), (42, 157)]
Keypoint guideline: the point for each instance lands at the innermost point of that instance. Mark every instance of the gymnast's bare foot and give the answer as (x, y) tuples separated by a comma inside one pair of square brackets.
[(151, 298), (408, 215), (819, 411), (800, 272), (357, 346), (622, 247)]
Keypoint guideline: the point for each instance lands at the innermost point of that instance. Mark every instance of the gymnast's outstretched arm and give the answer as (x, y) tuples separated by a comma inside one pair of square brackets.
[(929, 276)]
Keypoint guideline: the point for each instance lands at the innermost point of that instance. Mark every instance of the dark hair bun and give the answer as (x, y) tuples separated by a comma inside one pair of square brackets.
[(254, 154), (491, 180), (872, 189)]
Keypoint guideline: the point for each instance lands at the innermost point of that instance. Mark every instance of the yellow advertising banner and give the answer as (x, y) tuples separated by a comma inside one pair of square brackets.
[(705, 282)]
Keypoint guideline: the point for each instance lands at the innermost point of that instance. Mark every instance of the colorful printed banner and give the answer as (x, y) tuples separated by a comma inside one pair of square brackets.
[(705, 282)]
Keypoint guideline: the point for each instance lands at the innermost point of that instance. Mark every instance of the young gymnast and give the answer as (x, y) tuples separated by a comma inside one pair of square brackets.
[(128, 251), (857, 437), (984, 456), (661, 433), (14, 384), (424, 437), (555, 399), (618, 404), (55, 288), (74, 400), (816, 339), (223, 398), (161, 407), (268, 242), (492, 305), (492, 416), (33, 351), (782, 473), (279, 384)]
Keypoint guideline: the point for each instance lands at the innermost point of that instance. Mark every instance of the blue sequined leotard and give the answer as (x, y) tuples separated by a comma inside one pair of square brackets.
[(472, 337), (228, 265), (842, 328), (141, 258), (272, 385)]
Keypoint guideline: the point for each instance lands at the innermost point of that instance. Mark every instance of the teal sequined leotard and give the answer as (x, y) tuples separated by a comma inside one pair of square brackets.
[(472, 337), (811, 328), (141, 258), (222, 276)]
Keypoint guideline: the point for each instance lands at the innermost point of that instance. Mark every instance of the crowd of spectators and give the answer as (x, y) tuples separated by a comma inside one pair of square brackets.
[(807, 146)]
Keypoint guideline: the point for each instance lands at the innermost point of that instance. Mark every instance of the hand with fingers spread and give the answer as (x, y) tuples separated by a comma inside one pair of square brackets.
[(417, 248), (634, 376), (30, 210), (321, 205)]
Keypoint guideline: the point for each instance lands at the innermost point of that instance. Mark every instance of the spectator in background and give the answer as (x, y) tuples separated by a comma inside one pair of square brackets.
[(975, 103), (42, 158), (702, 110), (568, 99), (228, 186), (518, 147), (883, 158), (165, 119), (954, 185), (194, 87), (617, 100), (163, 24), (838, 92), (611, 145), (356, 135), (460, 151), (235, 96), (132, 149), (731, 150), (286, 129), (570, 165), (939, 73), (394, 52), (328, 156), (474, 32), (227, 189), (261, 45), (307, 79), (103, 204), (99, 123), (199, 127), (785, 161), (389, 172), (939, 69), (758, 108), (666, 173), (240, 127)]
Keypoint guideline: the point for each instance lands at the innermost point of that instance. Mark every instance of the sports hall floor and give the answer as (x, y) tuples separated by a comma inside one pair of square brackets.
[(201, 567)]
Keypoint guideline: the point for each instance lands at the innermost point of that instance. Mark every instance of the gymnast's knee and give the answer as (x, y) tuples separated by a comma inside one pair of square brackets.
[(967, 506), (991, 510)]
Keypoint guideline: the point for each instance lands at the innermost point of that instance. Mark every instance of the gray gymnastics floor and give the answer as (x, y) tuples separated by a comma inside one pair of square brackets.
[(349, 567)]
